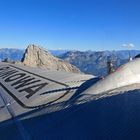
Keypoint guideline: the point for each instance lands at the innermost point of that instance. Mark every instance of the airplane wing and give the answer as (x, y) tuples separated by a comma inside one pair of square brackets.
[(34, 98), (25, 89)]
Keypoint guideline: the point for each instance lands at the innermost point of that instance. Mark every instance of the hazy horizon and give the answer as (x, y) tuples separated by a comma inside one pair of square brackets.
[(134, 49)]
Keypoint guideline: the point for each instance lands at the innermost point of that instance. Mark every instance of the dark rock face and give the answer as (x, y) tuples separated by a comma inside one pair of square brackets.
[(36, 56)]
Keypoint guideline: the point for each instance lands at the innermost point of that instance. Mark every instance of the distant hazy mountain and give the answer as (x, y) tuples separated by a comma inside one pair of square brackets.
[(12, 54), (58, 52), (96, 62)]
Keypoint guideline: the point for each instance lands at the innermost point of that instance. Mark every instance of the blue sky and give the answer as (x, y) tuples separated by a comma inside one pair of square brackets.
[(70, 24)]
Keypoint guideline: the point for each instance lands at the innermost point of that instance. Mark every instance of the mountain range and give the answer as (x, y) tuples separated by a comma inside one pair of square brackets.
[(96, 62), (90, 62)]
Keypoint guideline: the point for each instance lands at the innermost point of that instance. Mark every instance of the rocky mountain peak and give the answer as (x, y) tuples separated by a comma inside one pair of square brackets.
[(37, 56)]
